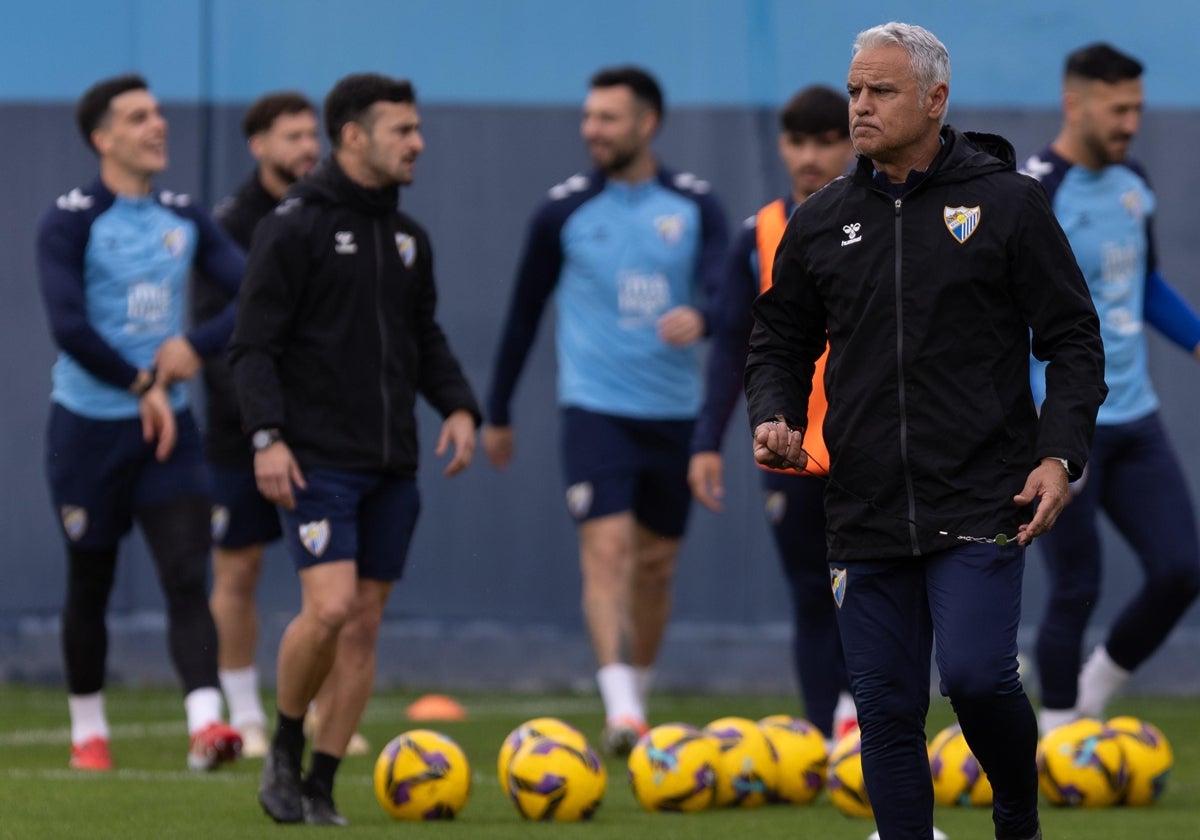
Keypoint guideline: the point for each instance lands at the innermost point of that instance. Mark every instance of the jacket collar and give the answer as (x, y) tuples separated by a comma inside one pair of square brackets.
[(328, 184)]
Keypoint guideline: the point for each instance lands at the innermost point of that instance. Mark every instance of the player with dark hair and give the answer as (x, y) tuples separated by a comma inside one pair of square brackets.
[(644, 87), (282, 135), (628, 247), (122, 447), (925, 275), (1105, 204), (354, 100), (814, 145), (266, 111), (336, 337)]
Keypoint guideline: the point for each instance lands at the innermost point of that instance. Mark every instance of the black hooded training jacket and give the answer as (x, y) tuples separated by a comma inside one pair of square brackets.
[(336, 335), (930, 302)]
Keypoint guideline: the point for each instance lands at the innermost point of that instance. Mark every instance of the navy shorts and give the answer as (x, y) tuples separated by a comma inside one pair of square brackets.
[(241, 516), (101, 473), (341, 515), (617, 464)]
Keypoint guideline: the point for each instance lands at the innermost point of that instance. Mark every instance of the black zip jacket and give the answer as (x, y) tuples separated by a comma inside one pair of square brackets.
[(930, 302), (225, 442), (336, 334)]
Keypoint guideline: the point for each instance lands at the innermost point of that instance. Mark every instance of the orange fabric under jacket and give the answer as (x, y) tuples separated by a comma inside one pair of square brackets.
[(772, 220)]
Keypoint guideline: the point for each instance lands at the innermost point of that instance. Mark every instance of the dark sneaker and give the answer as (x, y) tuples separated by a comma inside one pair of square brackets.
[(279, 786), (320, 810), (1037, 835)]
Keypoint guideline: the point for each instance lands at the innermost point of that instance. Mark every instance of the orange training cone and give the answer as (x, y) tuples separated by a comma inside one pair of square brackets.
[(436, 707)]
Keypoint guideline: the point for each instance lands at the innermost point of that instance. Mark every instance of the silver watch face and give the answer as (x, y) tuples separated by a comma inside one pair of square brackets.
[(262, 439)]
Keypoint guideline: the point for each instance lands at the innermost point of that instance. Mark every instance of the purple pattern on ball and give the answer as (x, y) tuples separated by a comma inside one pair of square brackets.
[(549, 783)]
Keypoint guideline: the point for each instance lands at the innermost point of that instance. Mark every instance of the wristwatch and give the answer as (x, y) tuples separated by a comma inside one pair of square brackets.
[(151, 378), (265, 439)]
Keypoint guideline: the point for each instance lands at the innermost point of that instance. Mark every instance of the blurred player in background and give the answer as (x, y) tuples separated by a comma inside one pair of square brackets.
[(336, 338), (815, 147), (1105, 205), (628, 247), (281, 132), (122, 447)]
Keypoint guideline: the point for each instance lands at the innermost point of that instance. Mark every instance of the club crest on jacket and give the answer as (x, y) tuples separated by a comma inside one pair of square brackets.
[(961, 221)]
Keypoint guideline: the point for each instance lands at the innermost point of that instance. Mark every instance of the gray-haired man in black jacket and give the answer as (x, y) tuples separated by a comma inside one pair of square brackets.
[(928, 270)]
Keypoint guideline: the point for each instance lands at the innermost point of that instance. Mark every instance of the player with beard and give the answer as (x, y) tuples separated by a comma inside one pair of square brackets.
[(1105, 204), (630, 248), (281, 133), (336, 337)]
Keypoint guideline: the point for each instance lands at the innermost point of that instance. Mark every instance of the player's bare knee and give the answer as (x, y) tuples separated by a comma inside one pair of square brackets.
[(330, 614), (235, 572)]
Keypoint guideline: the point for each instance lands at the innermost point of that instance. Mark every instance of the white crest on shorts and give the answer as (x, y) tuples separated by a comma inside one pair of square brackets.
[(220, 522), (775, 504), (579, 499), (837, 581), (74, 520), (315, 536)]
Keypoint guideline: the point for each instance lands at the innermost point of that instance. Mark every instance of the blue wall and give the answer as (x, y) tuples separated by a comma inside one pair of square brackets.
[(500, 83), (708, 52)]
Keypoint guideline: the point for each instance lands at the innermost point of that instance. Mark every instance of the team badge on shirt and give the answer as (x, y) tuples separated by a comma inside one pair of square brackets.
[(315, 536), (961, 221), (74, 520), (407, 246), (579, 499), (175, 241), (220, 522), (1132, 202), (670, 228), (837, 581)]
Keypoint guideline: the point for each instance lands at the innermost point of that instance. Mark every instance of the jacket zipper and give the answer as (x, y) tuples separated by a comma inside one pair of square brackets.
[(908, 481), (385, 400)]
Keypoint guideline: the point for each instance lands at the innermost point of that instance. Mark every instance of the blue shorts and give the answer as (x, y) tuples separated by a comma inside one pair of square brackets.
[(366, 517), (101, 473), (617, 464), (241, 516)]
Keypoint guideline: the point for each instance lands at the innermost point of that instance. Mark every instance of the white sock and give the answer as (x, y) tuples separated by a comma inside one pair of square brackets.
[(643, 677), (87, 717), (240, 686), (618, 691), (1099, 680), (203, 706), (1050, 719)]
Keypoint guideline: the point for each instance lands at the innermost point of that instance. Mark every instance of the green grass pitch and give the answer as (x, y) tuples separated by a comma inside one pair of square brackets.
[(152, 795)]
